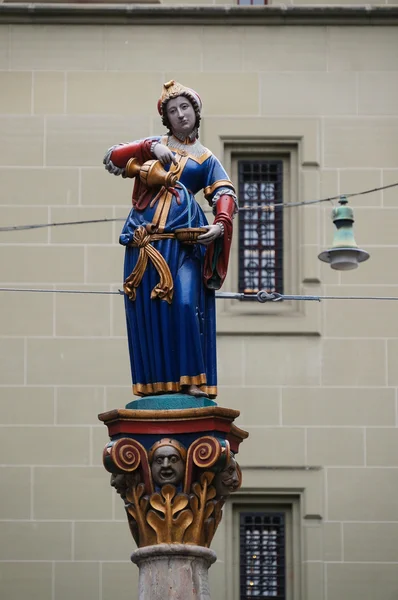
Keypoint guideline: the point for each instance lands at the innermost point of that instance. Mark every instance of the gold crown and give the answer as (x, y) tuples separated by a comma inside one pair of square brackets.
[(167, 442)]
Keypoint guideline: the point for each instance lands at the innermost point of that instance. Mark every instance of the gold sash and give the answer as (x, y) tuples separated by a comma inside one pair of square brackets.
[(165, 288)]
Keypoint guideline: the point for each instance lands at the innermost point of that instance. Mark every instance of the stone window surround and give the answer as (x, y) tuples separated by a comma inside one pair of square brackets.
[(298, 140), (291, 262), (300, 492)]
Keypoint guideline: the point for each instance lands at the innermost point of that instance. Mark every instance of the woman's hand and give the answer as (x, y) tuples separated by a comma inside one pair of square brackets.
[(164, 155), (109, 166), (213, 232)]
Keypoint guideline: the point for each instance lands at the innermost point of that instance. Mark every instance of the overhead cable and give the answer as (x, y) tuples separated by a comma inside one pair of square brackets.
[(266, 208), (262, 296)]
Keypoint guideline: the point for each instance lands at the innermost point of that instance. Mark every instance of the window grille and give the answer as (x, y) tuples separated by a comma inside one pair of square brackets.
[(260, 226), (262, 556)]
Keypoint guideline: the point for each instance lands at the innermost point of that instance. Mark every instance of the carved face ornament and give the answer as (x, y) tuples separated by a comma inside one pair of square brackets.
[(167, 466), (120, 483), (181, 115), (227, 481)]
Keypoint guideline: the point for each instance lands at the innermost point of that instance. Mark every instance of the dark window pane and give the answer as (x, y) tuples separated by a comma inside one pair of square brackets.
[(260, 226), (262, 556)]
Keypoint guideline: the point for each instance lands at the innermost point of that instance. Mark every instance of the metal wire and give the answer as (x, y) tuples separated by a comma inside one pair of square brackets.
[(44, 291), (264, 208), (41, 225), (331, 198), (262, 296)]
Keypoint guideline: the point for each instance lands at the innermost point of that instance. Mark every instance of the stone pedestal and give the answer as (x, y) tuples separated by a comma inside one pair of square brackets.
[(173, 572)]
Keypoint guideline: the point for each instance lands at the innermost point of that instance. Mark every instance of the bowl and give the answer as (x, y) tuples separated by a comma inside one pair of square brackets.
[(189, 235)]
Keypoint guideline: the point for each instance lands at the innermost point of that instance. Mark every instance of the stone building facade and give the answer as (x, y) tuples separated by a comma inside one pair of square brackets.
[(316, 384)]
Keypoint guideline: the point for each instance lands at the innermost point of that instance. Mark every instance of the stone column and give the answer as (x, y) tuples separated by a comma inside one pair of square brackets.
[(174, 572)]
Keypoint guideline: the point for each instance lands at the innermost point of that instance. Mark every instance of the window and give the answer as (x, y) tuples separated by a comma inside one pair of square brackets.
[(262, 555), (260, 184)]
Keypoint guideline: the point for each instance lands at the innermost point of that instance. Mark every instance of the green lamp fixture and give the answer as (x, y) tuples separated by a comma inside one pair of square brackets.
[(344, 254)]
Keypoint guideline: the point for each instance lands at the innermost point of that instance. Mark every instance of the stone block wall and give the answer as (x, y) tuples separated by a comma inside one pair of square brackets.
[(325, 400)]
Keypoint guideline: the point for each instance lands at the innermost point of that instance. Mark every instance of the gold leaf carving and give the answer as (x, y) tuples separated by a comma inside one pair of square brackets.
[(211, 493), (180, 502), (196, 488), (168, 492), (183, 521), (207, 476), (169, 528), (137, 507), (212, 524), (194, 503), (201, 505), (158, 503), (209, 508)]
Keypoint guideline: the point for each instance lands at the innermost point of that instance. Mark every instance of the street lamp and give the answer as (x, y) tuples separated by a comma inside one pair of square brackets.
[(344, 254)]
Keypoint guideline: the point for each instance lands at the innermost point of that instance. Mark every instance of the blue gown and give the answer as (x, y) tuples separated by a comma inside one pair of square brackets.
[(172, 345)]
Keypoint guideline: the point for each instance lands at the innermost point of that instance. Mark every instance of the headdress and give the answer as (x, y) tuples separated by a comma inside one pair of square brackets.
[(173, 89), (167, 442)]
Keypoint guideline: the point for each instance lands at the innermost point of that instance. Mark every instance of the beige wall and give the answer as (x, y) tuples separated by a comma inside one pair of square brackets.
[(323, 400)]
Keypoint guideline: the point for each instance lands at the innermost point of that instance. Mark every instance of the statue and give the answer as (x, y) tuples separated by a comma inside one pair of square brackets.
[(174, 260), (172, 453), (167, 459)]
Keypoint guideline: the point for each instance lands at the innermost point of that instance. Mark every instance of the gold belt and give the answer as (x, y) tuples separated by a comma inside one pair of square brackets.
[(165, 288)]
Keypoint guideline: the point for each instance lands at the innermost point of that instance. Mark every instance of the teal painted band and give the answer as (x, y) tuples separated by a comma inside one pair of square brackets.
[(169, 402)]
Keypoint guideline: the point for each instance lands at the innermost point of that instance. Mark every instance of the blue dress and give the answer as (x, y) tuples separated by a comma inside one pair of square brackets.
[(174, 344)]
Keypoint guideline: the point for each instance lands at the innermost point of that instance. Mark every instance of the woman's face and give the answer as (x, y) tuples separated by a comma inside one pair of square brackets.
[(181, 115)]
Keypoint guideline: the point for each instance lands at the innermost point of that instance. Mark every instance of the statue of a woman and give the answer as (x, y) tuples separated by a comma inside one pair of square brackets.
[(169, 285)]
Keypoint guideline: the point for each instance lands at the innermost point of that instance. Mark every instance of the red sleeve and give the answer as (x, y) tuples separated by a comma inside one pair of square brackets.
[(217, 253), (140, 150)]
